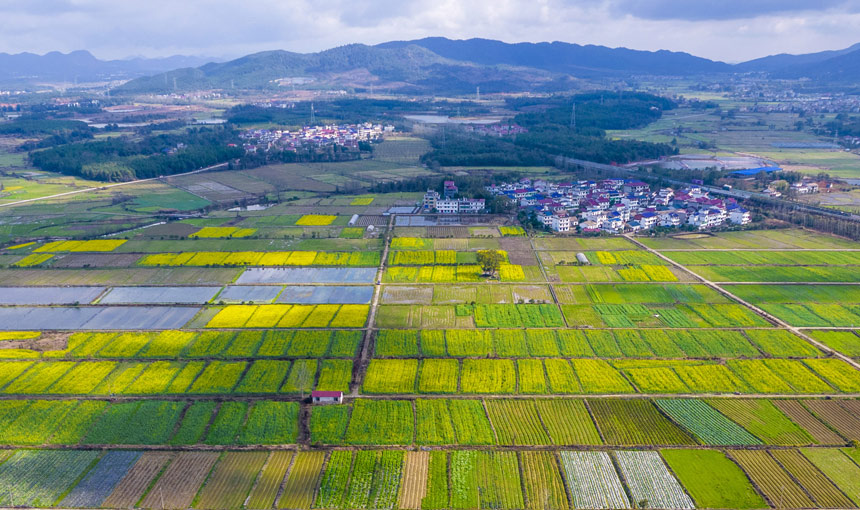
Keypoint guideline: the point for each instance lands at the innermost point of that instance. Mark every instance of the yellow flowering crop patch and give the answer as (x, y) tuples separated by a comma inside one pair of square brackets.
[(22, 245), (222, 232), (257, 258), (234, 316), (267, 316), (351, 316), (316, 220), (275, 258), (511, 273), (100, 245), (411, 243), (361, 201), (242, 258), (291, 316), (301, 258), (332, 259), (204, 258), (320, 316), (295, 317), (34, 259), (19, 335), (512, 231)]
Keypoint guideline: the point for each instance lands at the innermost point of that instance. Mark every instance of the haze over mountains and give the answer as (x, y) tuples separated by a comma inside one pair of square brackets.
[(430, 65)]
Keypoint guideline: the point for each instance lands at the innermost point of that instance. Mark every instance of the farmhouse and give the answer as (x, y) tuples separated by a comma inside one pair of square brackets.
[(327, 397)]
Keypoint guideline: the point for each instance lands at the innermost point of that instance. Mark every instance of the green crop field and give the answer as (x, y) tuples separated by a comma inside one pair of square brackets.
[(194, 347)]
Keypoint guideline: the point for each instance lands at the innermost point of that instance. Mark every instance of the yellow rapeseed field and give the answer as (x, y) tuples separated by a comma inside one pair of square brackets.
[(222, 232), (100, 245), (290, 316), (34, 259), (316, 220), (17, 246)]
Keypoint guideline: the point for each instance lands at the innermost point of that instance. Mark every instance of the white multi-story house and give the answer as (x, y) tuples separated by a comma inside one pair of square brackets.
[(740, 216), (560, 222)]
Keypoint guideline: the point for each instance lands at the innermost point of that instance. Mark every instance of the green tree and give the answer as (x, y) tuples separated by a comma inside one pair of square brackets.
[(490, 261)]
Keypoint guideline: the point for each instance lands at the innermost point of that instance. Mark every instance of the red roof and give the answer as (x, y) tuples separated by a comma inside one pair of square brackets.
[(323, 394)]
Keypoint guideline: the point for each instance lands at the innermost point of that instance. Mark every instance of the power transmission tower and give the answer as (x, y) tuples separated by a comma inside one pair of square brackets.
[(477, 93), (573, 116), (313, 116)]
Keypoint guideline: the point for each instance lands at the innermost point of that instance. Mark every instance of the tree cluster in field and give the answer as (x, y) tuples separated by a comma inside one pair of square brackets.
[(843, 125), (551, 132), (33, 126), (786, 211), (601, 110), (123, 158)]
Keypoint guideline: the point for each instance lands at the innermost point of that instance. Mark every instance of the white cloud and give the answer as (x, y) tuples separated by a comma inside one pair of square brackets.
[(731, 30)]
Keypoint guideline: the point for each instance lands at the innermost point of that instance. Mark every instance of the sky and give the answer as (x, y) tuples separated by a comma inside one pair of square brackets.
[(728, 30)]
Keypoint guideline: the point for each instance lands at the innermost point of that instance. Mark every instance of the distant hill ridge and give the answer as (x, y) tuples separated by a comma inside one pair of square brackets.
[(429, 65)]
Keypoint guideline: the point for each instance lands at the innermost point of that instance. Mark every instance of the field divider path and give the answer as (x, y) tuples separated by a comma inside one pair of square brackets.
[(767, 316), (364, 358), (230, 397), (548, 283)]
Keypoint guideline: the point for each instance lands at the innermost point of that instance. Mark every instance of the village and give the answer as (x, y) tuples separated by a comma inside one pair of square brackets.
[(618, 206), (310, 137)]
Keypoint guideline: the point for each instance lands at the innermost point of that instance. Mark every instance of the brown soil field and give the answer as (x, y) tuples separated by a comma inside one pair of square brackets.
[(181, 480), (414, 483), (131, 488)]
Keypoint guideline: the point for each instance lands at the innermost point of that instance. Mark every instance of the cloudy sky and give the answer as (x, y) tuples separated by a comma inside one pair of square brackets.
[(729, 30)]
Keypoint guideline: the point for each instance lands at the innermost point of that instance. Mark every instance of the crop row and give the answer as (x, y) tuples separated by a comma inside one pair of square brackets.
[(175, 344), (258, 258), (678, 478), (504, 343), (290, 316), (147, 422), (765, 258), (567, 422), (174, 377), (633, 273), (616, 376)]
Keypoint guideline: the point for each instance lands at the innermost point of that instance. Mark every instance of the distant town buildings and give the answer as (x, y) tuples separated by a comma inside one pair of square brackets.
[(495, 129), (618, 205), (311, 137)]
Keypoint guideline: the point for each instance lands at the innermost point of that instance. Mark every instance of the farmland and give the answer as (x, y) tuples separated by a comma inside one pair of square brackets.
[(176, 364)]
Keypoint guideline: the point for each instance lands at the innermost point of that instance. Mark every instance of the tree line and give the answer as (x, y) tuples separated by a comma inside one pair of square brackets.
[(123, 158)]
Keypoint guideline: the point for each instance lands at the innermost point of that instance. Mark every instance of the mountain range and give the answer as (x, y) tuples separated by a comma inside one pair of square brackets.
[(82, 66), (432, 65)]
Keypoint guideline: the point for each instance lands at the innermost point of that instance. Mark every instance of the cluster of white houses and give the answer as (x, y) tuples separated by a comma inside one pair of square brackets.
[(448, 203), (617, 205), (346, 135)]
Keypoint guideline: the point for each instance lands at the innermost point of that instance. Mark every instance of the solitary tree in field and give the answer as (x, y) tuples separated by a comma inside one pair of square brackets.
[(490, 261)]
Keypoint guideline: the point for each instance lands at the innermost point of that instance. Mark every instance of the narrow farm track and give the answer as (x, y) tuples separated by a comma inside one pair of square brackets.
[(202, 448), (548, 283), (364, 358), (108, 186), (767, 316)]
